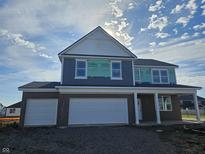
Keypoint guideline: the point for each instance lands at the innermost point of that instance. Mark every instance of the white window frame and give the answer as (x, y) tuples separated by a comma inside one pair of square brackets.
[(139, 74), (80, 77), (116, 78), (164, 104), (160, 76)]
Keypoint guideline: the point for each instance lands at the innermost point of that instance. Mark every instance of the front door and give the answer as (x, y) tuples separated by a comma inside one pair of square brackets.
[(139, 108)]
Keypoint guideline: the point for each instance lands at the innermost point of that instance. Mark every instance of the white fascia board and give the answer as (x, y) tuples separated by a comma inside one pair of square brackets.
[(95, 57), (161, 90), (38, 89)]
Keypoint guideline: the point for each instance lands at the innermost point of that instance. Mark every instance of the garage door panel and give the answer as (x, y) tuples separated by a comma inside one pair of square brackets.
[(41, 112), (98, 111)]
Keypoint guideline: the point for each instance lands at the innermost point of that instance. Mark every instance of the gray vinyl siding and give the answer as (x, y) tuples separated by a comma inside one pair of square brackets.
[(69, 76)]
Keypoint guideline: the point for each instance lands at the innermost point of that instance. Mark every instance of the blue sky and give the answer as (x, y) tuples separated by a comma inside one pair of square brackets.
[(33, 32)]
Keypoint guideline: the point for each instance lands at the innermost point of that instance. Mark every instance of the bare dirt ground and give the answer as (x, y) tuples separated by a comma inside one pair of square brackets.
[(100, 140)]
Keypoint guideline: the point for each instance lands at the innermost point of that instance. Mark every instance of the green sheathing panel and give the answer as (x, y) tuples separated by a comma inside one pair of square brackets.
[(172, 75), (137, 74), (98, 68), (145, 74)]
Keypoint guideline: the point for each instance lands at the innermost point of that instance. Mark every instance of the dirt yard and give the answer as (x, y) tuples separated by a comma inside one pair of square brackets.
[(144, 140)]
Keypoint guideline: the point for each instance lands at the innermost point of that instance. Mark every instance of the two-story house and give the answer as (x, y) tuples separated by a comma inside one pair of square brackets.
[(102, 82)]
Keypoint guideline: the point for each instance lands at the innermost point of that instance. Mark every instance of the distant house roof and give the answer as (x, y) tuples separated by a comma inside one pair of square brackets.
[(152, 62), (36, 84), (16, 105)]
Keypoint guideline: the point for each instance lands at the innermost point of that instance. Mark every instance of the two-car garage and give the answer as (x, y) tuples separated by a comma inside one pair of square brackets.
[(87, 111)]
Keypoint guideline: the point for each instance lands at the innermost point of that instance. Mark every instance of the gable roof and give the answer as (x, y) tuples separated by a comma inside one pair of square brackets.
[(16, 105), (117, 44), (152, 62)]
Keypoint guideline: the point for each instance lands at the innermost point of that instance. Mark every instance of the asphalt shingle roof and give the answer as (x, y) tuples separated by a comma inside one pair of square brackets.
[(152, 62), (41, 85), (53, 84), (16, 105)]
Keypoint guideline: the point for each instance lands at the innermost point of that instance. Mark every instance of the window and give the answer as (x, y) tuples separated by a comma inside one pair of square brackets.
[(12, 110), (81, 69), (137, 74), (165, 103), (116, 73), (160, 76)]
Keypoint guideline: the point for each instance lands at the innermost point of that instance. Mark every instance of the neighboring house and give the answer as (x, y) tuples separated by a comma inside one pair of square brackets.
[(13, 110), (187, 102), (103, 82)]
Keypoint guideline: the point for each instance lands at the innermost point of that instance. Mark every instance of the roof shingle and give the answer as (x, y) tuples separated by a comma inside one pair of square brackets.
[(152, 62)]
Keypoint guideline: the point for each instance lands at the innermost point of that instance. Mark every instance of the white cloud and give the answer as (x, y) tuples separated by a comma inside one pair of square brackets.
[(191, 6), (175, 31), (184, 20), (162, 43), (203, 32), (157, 22), (143, 29), (199, 27), (177, 9), (157, 6), (41, 17), (153, 44), (161, 35), (116, 11), (19, 40), (118, 29), (131, 5), (203, 10), (185, 36), (202, 1), (196, 34)]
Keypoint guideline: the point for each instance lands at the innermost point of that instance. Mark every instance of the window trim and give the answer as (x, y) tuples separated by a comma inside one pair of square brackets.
[(165, 110), (80, 77), (160, 76), (116, 78), (139, 75)]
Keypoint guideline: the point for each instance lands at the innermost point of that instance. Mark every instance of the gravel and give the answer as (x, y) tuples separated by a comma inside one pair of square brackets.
[(91, 140)]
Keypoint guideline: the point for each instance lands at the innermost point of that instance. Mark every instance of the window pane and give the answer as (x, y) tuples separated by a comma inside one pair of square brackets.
[(164, 73), (156, 79), (116, 73), (164, 79), (137, 74), (169, 106), (81, 72), (161, 104), (115, 65), (80, 64), (155, 72)]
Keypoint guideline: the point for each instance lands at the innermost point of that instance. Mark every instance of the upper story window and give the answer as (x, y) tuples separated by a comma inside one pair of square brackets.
[(81, 69), (160, 76), (116, 72), (165, 103)]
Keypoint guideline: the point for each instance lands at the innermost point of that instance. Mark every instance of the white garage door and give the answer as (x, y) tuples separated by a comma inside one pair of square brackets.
[(98, 111), (41, 112)]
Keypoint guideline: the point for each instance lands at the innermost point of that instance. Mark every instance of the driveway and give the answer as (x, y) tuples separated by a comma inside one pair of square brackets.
[(84, 140)]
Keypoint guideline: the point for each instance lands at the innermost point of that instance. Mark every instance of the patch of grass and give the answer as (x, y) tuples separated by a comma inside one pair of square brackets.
[(192, 117)]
